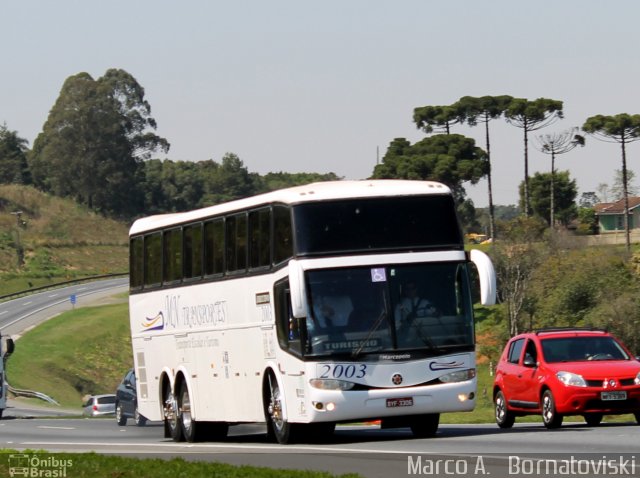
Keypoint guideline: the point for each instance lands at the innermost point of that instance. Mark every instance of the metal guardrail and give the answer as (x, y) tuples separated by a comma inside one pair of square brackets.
[(31, 394), (60, 284)]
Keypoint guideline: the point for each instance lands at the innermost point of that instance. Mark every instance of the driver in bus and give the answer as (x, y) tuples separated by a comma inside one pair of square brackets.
[(411, 305)]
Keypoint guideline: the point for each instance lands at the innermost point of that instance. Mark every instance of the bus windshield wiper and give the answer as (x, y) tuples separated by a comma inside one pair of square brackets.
[(374, 327)]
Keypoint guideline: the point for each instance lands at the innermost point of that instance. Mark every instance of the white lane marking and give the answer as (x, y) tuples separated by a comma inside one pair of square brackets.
[(27, 303), (52, 295), (45, 427)]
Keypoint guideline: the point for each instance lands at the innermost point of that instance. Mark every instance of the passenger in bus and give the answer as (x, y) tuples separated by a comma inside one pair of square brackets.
[(331, 310)]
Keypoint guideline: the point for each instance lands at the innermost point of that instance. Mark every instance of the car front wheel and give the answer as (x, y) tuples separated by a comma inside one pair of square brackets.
[(504, 418), (550, 417), (120, 418)]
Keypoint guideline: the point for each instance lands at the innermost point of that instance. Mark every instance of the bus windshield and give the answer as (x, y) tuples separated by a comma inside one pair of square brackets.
[(424, 307)]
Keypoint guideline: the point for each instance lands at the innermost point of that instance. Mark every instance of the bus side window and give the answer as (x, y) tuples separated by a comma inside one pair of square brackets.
[(259, 234), (153, 259), (136, 263), (282, 234), (214, 247), (236, 242), (286, 325)]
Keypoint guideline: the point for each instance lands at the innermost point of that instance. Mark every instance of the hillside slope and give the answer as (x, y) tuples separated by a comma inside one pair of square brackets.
[(54, 239)]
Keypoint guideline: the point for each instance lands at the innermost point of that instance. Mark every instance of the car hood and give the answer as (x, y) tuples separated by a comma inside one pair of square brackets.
[(599, 369)]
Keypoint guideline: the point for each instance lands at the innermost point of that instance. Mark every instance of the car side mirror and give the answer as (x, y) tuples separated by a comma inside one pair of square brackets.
[(529, 361)]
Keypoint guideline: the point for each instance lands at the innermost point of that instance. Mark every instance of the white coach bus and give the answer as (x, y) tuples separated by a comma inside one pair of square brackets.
[(306, 307)]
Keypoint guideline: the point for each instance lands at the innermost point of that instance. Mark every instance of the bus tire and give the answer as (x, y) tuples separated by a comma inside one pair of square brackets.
[(425, 426), (172, 428), (278, 428), (190, 428)]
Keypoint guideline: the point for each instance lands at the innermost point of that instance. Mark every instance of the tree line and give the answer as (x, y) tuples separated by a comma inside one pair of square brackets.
[(97, 147), (98, 143)]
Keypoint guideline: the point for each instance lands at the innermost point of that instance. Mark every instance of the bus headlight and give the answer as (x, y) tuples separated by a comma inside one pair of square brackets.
[(458, 376), (331, 384)]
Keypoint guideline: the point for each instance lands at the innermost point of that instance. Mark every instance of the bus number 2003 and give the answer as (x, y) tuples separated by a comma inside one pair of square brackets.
[(340, 370)]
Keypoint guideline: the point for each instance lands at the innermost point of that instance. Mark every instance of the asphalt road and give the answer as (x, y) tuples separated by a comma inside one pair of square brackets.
[(367, 450), (18, 315)]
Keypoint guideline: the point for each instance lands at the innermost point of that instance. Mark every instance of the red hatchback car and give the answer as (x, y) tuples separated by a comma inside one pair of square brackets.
[(558, 372)]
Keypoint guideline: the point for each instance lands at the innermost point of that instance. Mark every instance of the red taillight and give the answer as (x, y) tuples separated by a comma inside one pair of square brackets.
[(95, 408)]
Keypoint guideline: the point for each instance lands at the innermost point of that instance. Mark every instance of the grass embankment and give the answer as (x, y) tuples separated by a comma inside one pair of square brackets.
[(83, 351), (91, 465), (54, 240)]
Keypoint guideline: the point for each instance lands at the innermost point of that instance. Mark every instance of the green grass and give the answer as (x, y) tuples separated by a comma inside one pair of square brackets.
[(83, 351), (92, 465)]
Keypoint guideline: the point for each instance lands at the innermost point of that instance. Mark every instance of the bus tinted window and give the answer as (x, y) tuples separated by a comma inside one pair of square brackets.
[(172, 255), (259, 232), (153, 259), (365, 225), (236, 245), (193, 251), (136, 272), (214, 247), (282, 234)]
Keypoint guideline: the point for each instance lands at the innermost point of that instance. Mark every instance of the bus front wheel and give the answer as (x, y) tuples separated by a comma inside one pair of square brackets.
[(277, 426)]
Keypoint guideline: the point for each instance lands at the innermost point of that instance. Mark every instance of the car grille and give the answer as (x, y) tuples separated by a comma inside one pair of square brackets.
[(624, 382)]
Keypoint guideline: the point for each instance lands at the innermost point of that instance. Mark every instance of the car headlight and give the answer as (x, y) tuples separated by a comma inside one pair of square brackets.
[(637, 380), (571, 379), (458, 376), (331, 384)]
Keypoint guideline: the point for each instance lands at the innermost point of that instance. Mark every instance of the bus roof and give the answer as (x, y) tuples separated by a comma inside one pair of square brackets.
[(321, 191)]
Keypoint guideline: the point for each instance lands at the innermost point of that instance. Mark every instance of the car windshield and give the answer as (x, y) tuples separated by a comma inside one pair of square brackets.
[(424, 307), (578, 349)]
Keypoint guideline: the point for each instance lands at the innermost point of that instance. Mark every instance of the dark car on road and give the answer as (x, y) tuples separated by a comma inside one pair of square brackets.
[(560, 372), (127, 401)]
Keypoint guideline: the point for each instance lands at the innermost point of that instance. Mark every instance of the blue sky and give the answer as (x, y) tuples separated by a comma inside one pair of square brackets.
[(290, 85)]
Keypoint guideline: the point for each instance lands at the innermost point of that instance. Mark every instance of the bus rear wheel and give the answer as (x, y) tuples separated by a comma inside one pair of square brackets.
[(172, 427), (188, 425)]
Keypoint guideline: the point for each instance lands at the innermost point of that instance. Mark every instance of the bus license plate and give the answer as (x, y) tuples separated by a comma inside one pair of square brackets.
[(613, 395), (399, 402)]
